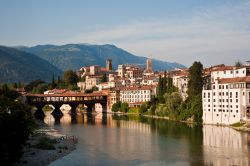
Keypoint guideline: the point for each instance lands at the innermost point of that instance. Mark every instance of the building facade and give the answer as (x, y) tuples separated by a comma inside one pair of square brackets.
[(226, 100)]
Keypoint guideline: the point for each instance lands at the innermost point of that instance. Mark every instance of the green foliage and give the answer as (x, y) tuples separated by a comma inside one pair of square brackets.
[(91, 90), (134, 110), (152, 109), (238, 64), (40, 88), (238, 124), (104, 78), (70, 77), (45, 143), (124, 107), (195, 82), (5, 91), (33, 84), (173, 102), (165, 85), (16, 124), (116, 106), (143, 108)]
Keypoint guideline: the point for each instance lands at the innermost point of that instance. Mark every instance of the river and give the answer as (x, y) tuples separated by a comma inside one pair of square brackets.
[(134, 140)]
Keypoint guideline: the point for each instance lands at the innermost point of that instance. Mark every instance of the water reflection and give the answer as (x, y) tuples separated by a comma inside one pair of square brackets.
[(135, 140), (225, 146)]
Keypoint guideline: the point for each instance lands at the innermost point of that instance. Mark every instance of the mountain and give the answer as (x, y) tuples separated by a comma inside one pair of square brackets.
[(74, 56), (16, 65)]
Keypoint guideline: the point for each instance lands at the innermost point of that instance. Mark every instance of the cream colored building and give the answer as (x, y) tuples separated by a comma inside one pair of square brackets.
[(226, 100)]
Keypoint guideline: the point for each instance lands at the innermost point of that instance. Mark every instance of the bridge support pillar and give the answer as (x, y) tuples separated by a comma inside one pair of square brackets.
[(73, 109), (90, 107), (39, 114), (57, 112), (104, 107)]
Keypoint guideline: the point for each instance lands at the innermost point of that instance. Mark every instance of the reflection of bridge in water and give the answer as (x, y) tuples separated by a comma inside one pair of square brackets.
[(72, 99)]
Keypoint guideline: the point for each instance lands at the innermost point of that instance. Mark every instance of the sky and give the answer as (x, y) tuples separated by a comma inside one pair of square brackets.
[(183, 31)]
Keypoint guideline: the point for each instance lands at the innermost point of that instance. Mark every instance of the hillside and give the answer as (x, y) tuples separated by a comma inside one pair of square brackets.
[(16, 65), (74, 56)]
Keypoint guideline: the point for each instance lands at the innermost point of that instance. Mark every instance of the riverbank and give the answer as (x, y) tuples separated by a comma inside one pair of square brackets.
[(244, 127), (45, 146)]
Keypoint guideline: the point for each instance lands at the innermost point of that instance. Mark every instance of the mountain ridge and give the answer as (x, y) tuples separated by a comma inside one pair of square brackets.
[(74, 56), (21, 66)]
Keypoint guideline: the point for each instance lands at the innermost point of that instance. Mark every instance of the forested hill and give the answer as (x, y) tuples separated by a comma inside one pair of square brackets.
[(74, 56), (16, 65)]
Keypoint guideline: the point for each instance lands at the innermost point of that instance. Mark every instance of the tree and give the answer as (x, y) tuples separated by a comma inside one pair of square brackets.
[(124, 107), (17, 124), (195, 82), (104, 78), (53, 82), (143, 108), (70, 77), (15, 85), (116, 106), (173, 103), (33, 84), (238, 64)]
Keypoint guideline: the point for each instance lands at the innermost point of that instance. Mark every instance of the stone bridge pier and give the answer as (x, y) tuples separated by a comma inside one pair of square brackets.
[(57, 111), (39, 114), (73, 109)]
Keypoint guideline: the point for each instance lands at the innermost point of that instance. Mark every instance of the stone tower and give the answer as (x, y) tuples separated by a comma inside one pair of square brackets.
[(109, 64), (149, 68)]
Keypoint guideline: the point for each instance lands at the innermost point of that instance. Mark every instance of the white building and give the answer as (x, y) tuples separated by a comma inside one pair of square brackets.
[(226, 100), (134, 96), (180, 80)]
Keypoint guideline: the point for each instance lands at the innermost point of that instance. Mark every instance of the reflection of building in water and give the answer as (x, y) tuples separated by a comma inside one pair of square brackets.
[(224, 146), (134, 125)]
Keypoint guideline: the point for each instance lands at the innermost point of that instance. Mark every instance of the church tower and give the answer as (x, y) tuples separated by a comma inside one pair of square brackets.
[(109, 64), (149, 68)]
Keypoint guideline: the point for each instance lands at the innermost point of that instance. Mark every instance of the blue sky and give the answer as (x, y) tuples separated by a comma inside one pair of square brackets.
[(211, 31)]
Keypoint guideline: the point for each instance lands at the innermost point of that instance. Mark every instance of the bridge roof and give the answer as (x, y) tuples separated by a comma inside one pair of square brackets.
[(66, 95)]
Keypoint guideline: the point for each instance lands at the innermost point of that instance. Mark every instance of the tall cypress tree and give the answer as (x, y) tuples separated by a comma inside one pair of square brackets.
[(195, 82)]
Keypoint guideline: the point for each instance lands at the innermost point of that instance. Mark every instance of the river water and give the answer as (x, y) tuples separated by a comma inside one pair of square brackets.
[(134, 140)]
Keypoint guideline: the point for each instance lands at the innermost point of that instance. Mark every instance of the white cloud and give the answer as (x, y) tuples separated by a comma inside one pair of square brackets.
[(214, 36)]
